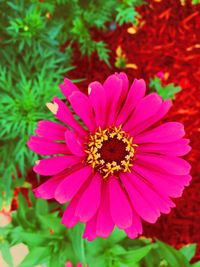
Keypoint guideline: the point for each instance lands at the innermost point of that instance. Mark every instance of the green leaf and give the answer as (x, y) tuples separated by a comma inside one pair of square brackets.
[(78, 242), (135, 255), (188, 251), (172, 256), (195, 2), (41, 207), (116, 236), (103, 52), (165, 91), (22, 212), (37, 255), (32, 239), (5, 251), (196, 264)]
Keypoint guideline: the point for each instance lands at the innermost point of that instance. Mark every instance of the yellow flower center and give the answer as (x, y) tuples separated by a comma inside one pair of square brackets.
[(110, 151)]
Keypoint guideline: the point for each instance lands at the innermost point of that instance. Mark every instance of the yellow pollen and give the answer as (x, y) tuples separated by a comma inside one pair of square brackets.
[(108, 166)]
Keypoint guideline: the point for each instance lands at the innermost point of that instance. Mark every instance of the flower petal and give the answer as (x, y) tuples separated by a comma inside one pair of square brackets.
[(104, 223), (113, 89), (51, 166), (83, 108), (164, 108), (125, 84), (68, 87), (50, 130), (45, 146), (142, 206), (47, 189), (160, 202), (168, 185), (64, 114), (120, 208), (74, 144), (71, 184), (90, 200), (162, 163), (68, 264), (135, 94), (177, 148), (136, 227), (69, 219), (166, 132), (90, 229), (146, 108), (97, 98)]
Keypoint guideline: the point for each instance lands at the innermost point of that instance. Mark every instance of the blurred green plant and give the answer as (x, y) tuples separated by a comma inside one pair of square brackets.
[(38, 23), (50, 243), (165, 91), (195, 2)]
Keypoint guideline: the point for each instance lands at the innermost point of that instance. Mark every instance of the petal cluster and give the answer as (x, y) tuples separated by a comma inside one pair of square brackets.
[(143, 191)]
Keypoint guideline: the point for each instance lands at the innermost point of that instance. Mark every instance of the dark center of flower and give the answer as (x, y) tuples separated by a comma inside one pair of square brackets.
[(113, 150), (110, 151)]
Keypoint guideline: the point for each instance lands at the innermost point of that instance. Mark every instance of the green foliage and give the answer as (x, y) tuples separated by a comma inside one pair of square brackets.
[(126, 12), (50, 243), (189, 251), (165, 91), (167, 256), (37, 24), (26, 85), (195, 2)]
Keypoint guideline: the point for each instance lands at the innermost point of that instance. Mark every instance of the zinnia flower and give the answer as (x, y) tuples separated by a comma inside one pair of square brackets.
[(115, 167)]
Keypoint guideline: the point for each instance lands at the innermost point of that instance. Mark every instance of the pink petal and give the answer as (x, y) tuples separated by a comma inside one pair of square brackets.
[(164, 108), (177, 148), (135, 94), (125, 84), (168, 185), (90, 229), (120, 208), (50, 130), (97, 98), (51, 166), (146, 108), (68, 188), (68, 264), (136, 226), (83, 108), (160, 202), (90, 200), (64, 114), (104, 221), (113, 89), (67, 88), (69, 219), (74, 144), (45, 146), (48, 188), (166, 132), (169, 164), (139, 201)]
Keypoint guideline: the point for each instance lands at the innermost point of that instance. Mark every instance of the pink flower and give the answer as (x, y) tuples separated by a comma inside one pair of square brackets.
[(116, 167), (160, 74), (69, 264)]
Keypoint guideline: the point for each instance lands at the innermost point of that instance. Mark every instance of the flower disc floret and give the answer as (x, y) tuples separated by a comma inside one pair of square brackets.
[(110, 150)]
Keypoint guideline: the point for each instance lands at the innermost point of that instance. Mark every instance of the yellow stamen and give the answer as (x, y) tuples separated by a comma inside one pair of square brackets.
[(96, 142)]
